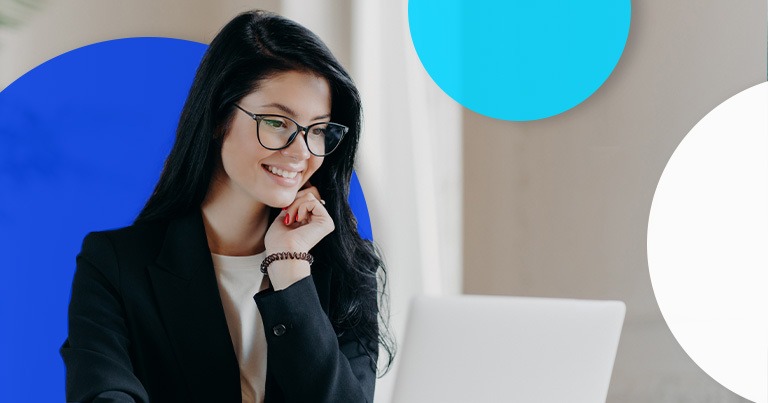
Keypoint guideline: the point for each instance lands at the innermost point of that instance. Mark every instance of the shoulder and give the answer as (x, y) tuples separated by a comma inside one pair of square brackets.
[(134, 242)]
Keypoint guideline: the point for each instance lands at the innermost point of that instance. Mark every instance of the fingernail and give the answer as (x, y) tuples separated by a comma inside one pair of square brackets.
[(287, 219), (285, 208)]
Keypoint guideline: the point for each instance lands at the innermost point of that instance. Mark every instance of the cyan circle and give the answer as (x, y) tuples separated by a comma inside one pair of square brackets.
[(83, 138), (519, 59)]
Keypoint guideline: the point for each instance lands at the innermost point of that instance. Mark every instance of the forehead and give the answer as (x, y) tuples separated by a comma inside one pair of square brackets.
[(305, 94)]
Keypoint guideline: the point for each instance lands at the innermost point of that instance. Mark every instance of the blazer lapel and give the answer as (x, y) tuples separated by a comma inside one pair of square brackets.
[(187, 293)]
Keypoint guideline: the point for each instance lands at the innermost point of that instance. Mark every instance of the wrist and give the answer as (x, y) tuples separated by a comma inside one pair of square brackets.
[(273, 257), (286, 247), (284, 273)]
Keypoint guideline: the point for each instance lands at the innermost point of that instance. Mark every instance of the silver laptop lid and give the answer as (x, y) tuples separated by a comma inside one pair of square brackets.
[(508, 349)]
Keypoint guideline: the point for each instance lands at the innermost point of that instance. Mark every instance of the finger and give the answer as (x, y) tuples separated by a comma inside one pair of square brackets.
[(310, 207), (306, 195), (284, 217), (310, 190), (301, 196)]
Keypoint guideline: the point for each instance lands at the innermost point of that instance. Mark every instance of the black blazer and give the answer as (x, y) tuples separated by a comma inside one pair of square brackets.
[(146, 323)]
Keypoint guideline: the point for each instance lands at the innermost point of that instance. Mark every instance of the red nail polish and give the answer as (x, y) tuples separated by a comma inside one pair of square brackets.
[(287, 219), (285, 208)]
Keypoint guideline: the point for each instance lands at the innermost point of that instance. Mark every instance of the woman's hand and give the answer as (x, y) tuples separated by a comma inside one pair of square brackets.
[(298, 228), (301, 225)]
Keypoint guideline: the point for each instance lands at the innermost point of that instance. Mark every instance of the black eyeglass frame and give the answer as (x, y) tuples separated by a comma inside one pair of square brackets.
[(258, 117)]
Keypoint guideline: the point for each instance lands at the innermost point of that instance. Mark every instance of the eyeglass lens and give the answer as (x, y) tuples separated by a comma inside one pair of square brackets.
[(322, 138)]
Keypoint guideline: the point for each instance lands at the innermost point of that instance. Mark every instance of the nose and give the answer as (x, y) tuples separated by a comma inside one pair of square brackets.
[(298, 148)]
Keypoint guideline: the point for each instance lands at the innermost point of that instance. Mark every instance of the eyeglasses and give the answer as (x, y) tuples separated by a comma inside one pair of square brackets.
[(276, 132)]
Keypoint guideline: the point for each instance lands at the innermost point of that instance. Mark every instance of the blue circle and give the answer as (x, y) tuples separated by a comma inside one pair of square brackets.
[(519, 59), (83, 138)]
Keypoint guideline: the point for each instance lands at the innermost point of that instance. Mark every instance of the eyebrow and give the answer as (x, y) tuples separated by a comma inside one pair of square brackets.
[(290, 111)]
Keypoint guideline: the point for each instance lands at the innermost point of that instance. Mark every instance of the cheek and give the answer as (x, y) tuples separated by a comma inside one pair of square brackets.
[(313, 165), (240, 158)]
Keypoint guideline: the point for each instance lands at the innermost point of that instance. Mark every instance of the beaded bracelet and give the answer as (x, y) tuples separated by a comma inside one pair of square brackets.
[(284, 256)]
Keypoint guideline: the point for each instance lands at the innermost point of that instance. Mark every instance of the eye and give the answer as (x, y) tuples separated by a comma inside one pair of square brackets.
[(273, 123), (319, 130)]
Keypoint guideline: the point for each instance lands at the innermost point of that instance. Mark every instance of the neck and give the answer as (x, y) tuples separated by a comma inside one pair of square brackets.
[(235, 225)]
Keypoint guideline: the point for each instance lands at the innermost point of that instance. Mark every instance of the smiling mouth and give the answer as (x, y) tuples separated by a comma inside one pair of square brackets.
[(281, 173)]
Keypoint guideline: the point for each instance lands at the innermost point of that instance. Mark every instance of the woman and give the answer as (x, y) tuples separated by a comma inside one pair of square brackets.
[(175, 308)]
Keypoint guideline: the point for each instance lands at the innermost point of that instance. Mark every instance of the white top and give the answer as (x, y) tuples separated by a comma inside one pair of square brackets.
[(239, 279)]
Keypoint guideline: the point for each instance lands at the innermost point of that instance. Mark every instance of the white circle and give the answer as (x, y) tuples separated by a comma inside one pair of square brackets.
[(708, 244)]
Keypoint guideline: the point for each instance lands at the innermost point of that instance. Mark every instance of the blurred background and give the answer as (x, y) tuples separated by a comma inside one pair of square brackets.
[(462, 203)]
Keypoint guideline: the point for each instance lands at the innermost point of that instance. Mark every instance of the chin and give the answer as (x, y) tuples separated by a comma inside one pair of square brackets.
[(280, 200)]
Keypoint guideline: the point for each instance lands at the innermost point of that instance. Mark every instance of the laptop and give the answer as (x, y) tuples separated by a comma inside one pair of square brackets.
[(477, 349)]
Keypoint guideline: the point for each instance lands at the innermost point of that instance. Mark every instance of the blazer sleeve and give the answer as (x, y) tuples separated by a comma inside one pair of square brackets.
[(96, 352), (308, 360)]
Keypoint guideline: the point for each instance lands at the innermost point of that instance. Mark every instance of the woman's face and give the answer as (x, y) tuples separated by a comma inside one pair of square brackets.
[(303, 97)]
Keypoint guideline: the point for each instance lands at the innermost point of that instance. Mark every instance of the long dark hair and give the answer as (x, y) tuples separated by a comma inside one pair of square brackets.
[(252, 47)]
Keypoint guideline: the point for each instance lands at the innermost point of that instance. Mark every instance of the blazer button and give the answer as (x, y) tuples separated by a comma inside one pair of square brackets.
[(279, 330)]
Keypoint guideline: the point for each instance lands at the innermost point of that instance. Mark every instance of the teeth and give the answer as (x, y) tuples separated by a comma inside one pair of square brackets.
[(280, 172)]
